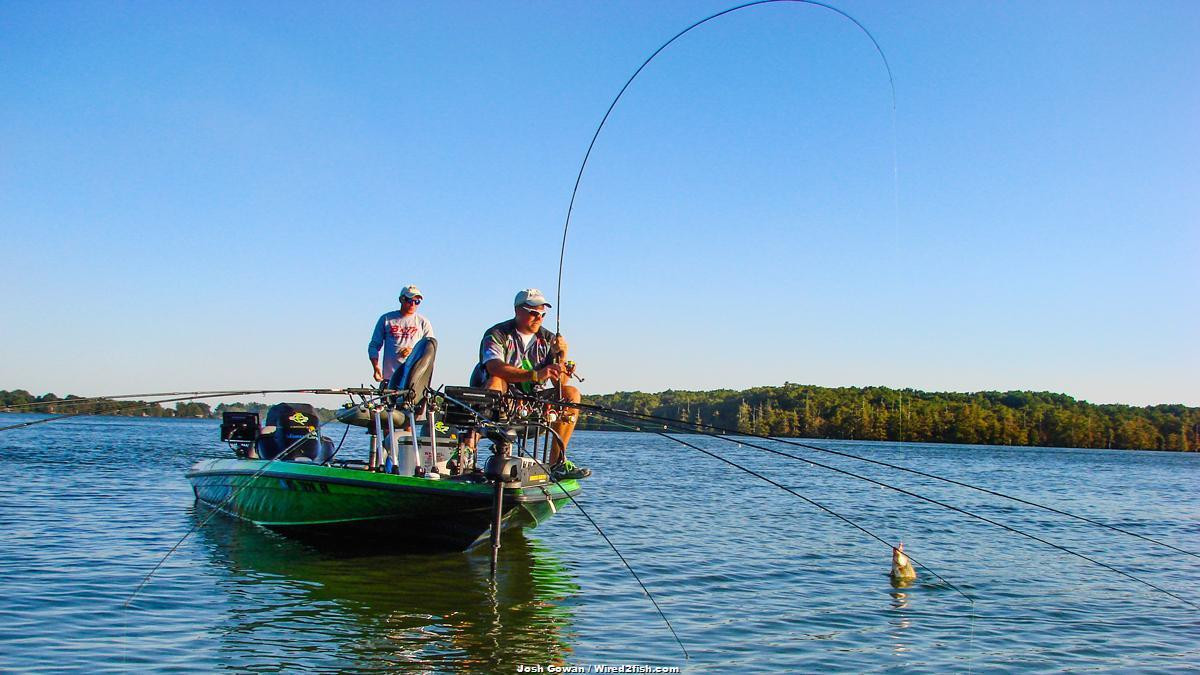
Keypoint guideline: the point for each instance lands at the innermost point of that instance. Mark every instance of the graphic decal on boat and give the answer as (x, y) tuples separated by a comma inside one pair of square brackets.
[(299, 418)]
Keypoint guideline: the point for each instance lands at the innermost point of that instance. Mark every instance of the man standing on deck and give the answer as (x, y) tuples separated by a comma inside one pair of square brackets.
[(521, 354), (396, 332)]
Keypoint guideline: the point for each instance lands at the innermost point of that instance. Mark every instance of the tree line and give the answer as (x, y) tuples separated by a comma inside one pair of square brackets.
[(323, 414), (879, 413), (50, 403), (868, 413)]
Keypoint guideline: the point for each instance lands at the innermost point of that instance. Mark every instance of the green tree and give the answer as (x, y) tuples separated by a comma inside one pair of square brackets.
[(744, 423)]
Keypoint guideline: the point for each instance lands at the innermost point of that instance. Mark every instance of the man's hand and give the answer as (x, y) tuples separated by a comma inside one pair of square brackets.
[(559, 346), (378, 374), (552, 372)]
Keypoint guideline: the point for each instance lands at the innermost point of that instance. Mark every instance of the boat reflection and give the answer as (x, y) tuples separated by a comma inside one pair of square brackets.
[(389, 611)]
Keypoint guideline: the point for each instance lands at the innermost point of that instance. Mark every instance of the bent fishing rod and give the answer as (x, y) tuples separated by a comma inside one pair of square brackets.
[(684, 426), (897, 467), (583, 165)]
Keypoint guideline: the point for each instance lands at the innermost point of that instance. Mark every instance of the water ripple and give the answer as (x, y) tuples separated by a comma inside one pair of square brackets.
[(752, 578)]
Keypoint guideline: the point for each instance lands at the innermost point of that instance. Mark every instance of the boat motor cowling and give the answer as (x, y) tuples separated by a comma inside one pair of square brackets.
[(239, 427)]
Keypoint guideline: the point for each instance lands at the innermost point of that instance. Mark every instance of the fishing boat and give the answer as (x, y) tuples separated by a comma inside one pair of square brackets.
[(412, 493)]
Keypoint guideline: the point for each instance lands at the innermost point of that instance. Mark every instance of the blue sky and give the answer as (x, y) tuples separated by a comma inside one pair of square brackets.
[(227, 195)]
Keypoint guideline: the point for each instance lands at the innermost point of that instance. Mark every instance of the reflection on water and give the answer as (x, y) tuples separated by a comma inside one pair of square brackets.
[(753, 579), (901, 623), (388, 610)]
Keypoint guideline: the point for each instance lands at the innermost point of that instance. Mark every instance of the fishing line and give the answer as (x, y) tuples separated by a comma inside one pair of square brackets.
[(339, 445), (970, 600), (810, 501), (550, 474), (599, 127), (219, 507), (917, 472), (216, 509), (819, 505), (686, 656), (950, 507)]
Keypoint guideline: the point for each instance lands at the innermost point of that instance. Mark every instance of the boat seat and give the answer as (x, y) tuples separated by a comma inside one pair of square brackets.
[(287, 423), (413, 379)]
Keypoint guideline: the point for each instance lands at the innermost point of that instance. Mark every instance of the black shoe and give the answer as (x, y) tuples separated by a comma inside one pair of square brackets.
[(569, 471)]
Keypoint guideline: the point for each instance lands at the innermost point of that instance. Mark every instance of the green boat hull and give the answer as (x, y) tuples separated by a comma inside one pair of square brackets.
[(350, 508)]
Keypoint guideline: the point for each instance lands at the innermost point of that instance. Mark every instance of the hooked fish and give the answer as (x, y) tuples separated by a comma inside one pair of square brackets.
[(903, 573)]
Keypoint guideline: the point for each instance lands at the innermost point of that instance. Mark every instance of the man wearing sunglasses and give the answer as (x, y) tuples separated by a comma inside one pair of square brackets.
[(396, 332), (521, 354)]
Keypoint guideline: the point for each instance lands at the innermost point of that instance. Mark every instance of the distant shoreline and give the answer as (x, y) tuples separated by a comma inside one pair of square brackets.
[(1013, 418)]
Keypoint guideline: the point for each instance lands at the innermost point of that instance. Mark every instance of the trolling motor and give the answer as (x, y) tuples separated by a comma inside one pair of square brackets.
[(502, 469), (509, 423), (479, 409)]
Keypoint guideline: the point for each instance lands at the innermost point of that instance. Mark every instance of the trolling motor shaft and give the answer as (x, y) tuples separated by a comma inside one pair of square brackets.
[(502, 468)]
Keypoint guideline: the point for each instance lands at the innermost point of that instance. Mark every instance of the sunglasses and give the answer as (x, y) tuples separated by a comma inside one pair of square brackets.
[(534, 313), (415, 301)]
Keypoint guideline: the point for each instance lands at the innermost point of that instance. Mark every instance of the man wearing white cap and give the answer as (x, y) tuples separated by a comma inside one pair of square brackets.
[(520, 353), (396, 332)]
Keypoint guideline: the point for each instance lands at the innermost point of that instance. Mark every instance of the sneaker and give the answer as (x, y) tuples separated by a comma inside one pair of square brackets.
[(569, 471)]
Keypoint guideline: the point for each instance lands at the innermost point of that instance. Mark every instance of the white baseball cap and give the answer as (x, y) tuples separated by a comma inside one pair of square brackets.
[(411, 292), (530, 297)]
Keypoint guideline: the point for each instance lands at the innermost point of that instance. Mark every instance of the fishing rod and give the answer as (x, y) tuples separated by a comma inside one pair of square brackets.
[(923, 474), (121, 408), (74, 401), (482, 421), (936, 502), (583, 165), (79, 400), (146, 404), (216, 509)]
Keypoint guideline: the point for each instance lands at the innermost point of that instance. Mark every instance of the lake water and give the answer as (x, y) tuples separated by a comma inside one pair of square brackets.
[(753, 578)]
